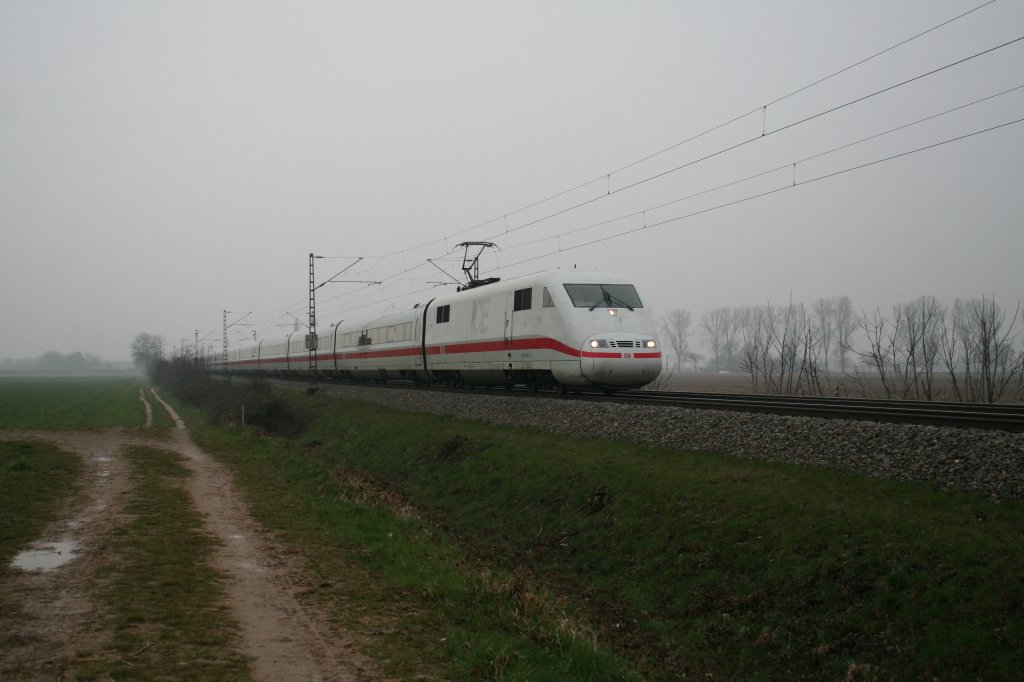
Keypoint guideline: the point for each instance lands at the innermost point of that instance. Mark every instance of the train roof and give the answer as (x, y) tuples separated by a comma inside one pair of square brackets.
[(550, 278)]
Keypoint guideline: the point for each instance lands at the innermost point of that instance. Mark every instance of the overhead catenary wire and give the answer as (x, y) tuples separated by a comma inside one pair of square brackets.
[(742, 200), (769, 171), (777, 190), (720, 152), (785, 187), (788, 186), (878, 54), (900, 84), (758, 138), (606, 176), (402, 275)]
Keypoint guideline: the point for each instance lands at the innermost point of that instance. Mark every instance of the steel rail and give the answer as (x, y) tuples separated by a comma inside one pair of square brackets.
[(994, 416), (999, 416)]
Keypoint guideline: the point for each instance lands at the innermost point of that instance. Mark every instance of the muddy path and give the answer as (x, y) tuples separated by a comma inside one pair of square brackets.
[(285, 635), (48, 616)]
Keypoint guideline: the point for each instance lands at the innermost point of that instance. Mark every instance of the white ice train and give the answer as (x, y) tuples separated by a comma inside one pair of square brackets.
[(563, 330)]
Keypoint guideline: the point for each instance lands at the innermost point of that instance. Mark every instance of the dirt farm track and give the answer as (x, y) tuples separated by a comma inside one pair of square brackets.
[(283, 635)]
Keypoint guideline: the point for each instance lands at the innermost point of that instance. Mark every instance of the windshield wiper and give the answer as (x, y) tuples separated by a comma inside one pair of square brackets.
[(608, 299)]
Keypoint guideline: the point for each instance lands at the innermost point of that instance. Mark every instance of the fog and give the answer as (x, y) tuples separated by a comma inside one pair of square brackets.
[(163, 162)]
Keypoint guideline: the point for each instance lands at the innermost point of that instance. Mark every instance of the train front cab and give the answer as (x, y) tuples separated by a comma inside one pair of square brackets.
[(624, 353), (620, 360)]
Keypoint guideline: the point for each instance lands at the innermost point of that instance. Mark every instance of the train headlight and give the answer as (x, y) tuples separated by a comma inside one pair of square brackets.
[(613, 312), (651, 343), (598, 343)]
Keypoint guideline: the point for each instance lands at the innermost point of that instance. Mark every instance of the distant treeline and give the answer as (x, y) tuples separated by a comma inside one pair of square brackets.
[(922, 350), (52, 361)]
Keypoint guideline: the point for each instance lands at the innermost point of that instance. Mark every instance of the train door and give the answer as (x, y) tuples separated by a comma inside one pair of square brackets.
[(519, 301), (417, 338), (509, 319)]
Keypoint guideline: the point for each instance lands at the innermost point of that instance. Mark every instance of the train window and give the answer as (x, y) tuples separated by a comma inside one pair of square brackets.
[(443, 313), (523, 299), (364, 339), (548, 303), (603, 296)]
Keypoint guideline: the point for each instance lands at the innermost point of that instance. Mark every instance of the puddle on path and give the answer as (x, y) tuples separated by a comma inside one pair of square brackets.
[(46, 556)]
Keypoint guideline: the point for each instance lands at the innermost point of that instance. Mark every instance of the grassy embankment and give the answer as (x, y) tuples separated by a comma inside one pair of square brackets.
[(507, 553), (155, 591)]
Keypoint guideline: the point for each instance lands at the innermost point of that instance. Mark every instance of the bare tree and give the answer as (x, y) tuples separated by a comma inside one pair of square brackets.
[(988, 349), (977, 350), (824, 317), (881, 336), (812, 363), (731, 339), (781, 349), (716, 326), (844, 324), (146, 350), (694, 359), (755, 346), (952, 341), (1019, 392), (786, 349), (675, 326), (789, 332), (904, 349), (925, 321)]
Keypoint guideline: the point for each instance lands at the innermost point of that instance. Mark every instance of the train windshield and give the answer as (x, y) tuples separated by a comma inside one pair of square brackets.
[(603, 296)]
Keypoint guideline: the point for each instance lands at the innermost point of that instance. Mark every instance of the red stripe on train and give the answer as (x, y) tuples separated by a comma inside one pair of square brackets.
[(537, 343)]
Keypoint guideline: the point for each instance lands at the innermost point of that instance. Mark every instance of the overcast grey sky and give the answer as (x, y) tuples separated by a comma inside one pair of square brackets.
[(163, 161)]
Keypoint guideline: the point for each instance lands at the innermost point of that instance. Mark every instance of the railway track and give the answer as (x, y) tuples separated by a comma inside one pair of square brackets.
[(999, 416)]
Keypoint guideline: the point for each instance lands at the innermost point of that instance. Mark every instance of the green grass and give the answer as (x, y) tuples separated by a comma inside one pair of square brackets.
[(682, 563), (70, 403), (161, 418), (35, 480), (160, 596), (421, 604)]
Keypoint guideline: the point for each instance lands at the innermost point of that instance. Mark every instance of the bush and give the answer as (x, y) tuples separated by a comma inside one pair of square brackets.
[(225, 402)]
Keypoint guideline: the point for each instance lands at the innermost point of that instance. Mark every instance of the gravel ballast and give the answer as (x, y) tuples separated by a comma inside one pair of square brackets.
[(975, 460)]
